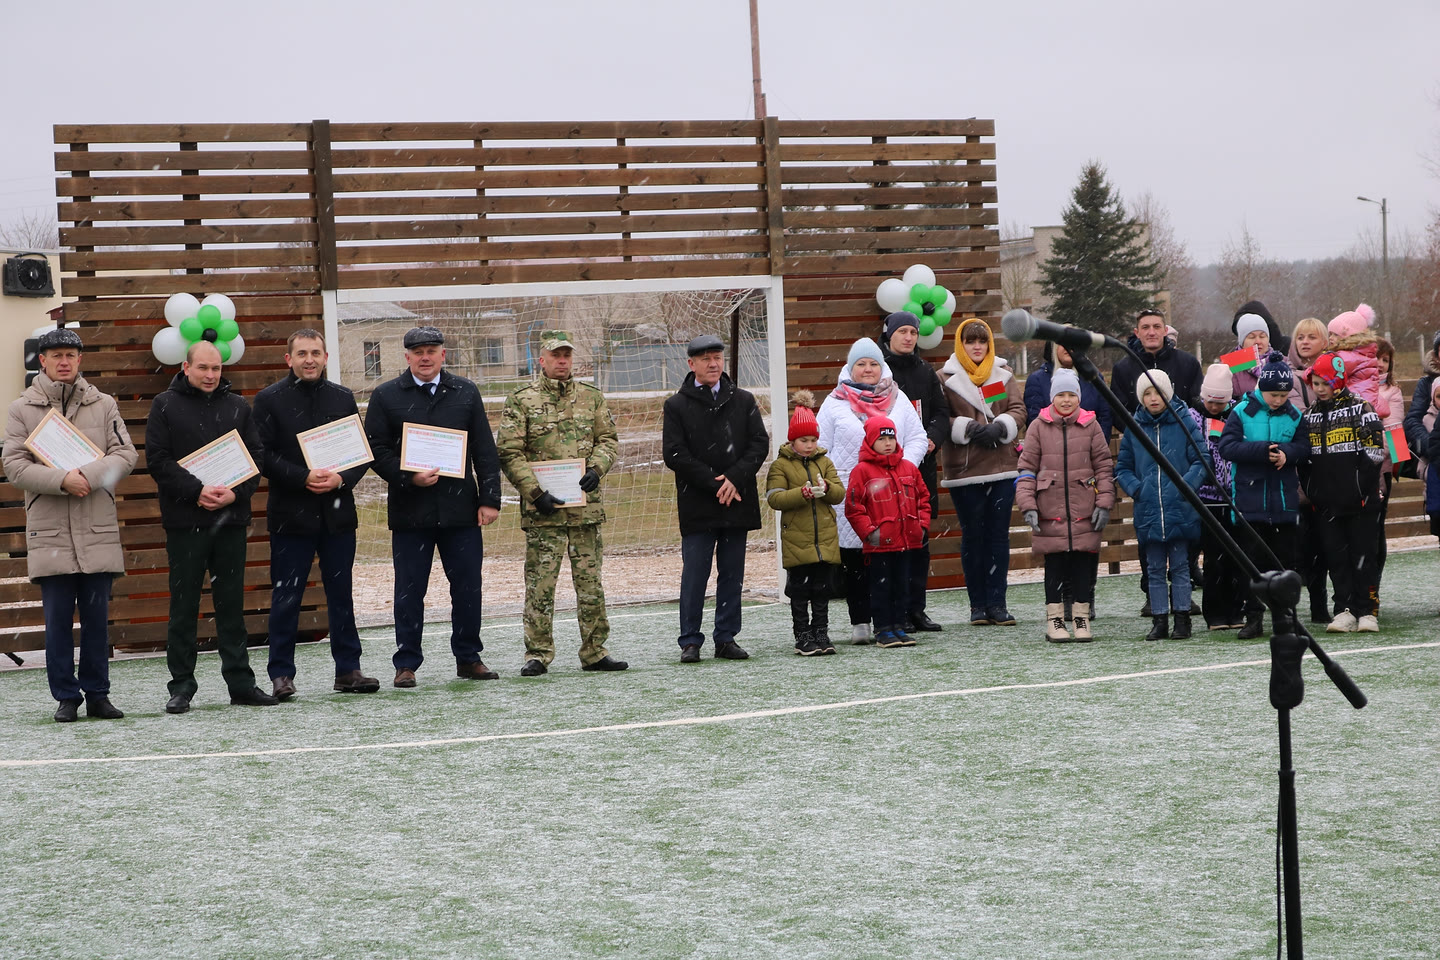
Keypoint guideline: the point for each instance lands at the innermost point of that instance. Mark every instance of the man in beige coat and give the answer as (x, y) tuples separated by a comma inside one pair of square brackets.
[(72, 535)]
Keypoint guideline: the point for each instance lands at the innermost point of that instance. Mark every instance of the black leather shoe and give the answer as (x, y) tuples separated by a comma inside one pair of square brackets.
[(178, 704), (68, 711), (690, 654), (533, 668), (101, 708), (254, 697), (730, 650), (1254, 627), (1145, 610), (1182, 627), (924, 624), (606, 663), (1159, 627)]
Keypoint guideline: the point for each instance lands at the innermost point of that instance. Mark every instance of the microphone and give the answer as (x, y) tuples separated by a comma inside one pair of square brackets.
[(1019, 325)]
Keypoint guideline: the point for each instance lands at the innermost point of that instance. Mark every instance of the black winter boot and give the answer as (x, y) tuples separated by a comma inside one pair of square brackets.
[(1182, 626), (1160, 627), (1254, 626)]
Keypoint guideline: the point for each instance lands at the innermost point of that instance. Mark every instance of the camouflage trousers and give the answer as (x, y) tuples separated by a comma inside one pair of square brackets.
[(545, 547)]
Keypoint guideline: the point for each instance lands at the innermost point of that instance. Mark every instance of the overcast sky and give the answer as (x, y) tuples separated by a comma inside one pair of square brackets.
[(1265, 113)]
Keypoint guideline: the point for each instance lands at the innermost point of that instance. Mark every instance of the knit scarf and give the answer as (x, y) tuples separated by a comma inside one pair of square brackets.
[(978, 372), (867, 400)]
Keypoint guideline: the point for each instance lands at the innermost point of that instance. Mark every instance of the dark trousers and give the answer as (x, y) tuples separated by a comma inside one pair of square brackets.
[(462, 551), (290, 559), (1350, 546), (192, 551), (809, 613), (1225, 586), (1280, 538), (61, 595), (919, 577), (984, 513), (727, 548), (1382, 548), (1310, 559), (1070, 575), (857, 584), (889, 588)]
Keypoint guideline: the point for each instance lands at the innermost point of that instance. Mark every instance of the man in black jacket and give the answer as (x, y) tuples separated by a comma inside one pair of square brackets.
[(1157, 354), (916, 377), (715, 441), (309, 512), (205, 526), (426, 510)]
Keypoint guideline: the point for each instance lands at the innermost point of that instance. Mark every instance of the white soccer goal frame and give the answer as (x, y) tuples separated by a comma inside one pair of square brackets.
[(773, 286)]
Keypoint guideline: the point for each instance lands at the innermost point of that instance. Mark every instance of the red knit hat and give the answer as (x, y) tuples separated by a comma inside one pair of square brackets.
[(877, 427), (1329, 367), (803, 424)]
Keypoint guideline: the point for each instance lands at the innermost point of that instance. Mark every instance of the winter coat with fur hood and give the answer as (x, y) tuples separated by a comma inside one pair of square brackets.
[(1362, 370), (66, 534), (1066, 471), (967, 463)]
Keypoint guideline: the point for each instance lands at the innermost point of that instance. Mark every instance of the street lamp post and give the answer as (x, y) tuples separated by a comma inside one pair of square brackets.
[(1384, 206)]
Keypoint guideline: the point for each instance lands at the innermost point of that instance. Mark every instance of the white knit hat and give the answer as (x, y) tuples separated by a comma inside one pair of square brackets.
[(1219, 383), (1248, 324), (1161, 382), (1064, 381)]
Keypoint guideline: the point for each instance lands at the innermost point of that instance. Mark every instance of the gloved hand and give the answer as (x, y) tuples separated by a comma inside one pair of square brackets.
[(817, 486), (1032, 517), (547, 504), (989, 436), (808, 492), (1099, 518), (874, 538), (591, 481)]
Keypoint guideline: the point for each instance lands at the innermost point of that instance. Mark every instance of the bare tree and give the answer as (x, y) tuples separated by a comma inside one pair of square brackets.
[(31, 231), (1177, 268), (1240, 269)]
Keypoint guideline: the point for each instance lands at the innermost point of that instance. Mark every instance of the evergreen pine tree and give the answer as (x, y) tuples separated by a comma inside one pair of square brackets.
[(1100, 274)]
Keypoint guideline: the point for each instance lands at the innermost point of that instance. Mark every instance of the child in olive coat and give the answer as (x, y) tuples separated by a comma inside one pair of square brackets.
[(803, 485)]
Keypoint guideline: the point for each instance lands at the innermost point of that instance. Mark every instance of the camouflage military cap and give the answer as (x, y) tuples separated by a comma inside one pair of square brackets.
[(552, 340)]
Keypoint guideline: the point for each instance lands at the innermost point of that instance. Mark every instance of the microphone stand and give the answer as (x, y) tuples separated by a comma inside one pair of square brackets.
[(1280, 591)]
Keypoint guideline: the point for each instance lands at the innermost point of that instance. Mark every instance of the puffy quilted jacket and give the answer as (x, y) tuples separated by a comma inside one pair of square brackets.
[(887, 494), (808, 533), (1261, 493), (1066, 471), (1161, 514)]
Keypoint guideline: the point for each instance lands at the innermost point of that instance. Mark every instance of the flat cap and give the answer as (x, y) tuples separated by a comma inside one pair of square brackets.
[(423, 337), (704, 344), (552, 340), (58, 338)]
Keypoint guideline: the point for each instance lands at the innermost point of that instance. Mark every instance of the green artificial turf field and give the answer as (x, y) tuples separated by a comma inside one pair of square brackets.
[(1115, 799)]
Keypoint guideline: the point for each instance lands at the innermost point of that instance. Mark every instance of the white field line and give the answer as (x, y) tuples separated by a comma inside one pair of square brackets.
[(686, 721)]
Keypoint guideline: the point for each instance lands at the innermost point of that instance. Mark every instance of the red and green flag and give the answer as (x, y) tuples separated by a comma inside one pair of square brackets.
[(1216, 427), (1241, 359), (1398, 446), (994, 391)]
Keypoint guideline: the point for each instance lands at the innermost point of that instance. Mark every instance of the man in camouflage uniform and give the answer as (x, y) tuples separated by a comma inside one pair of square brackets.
[(556, 417)]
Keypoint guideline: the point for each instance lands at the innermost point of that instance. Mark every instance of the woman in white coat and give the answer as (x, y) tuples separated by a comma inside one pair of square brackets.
[(864, 389)]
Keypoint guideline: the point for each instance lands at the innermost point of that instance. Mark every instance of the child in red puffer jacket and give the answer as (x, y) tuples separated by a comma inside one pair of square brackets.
[(888, 507)]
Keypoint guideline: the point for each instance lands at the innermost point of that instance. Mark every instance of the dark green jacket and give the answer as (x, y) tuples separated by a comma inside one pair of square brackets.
[(807, 527)]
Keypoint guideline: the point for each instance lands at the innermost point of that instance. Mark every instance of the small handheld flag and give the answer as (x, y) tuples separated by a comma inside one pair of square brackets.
[(1396, 443), (1241, 359), (1215, 428), (994, 391)]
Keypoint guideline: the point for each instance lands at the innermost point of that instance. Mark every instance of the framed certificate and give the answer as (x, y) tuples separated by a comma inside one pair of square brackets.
[(222, 463), (338, 445), (561, 479), (56, 443), (423, 447)]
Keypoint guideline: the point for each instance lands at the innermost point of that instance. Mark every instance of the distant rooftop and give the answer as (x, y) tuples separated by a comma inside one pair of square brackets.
[(376, 310)]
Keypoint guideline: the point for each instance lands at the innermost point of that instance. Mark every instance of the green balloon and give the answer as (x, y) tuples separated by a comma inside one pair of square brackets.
[(927, 326), (938, 295), (191, 329), (228, 330), (942, 316), (913, 307), (209, 316), (920, 293), (224, 349)]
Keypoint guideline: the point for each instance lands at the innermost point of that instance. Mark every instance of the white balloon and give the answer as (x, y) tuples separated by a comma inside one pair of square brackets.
[(892, 294), (933, 340), (169, 345), (919, 274), (224, 304), (237, 348), (180, 307), (949, 301)]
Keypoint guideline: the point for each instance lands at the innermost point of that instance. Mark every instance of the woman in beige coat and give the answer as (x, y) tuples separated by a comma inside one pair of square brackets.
[(72, 535)]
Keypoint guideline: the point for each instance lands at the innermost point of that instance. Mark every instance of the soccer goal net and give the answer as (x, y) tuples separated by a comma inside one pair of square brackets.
[(629, 344)]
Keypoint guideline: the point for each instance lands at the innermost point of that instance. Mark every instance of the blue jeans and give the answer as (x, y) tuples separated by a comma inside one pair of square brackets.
[(61, 595), (984, 513), (727, 547), (889, 588), (1175, 555), (290, 559), (461, 554)]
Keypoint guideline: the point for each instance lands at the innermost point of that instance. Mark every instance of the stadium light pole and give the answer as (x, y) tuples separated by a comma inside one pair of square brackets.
[(1384, 206)]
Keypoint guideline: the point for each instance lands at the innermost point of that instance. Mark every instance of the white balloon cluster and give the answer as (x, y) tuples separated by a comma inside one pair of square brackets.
[(171, 343), (898, 293)]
